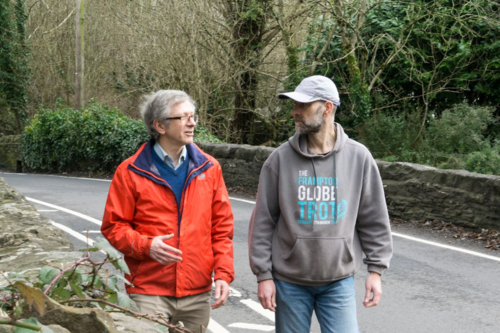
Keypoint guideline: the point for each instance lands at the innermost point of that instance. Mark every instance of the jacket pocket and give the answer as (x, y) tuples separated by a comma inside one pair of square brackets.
[(133, 266), (318, 259)]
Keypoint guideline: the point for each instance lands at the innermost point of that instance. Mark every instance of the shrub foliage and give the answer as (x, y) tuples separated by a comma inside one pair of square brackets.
[(457, 139), (96, 139)]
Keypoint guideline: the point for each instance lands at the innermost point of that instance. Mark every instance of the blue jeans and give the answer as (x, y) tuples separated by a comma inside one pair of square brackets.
[(334, 304)]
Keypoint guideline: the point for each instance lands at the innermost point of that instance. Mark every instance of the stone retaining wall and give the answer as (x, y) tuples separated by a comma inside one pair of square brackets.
[(412, 191), (418, 192), (10, 152), (27, 238)]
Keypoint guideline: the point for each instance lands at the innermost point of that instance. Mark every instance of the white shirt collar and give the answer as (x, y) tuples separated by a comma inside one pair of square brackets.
[(167, 159)]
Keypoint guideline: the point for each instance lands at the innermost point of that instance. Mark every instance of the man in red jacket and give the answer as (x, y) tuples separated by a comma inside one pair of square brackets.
[(169, 213)]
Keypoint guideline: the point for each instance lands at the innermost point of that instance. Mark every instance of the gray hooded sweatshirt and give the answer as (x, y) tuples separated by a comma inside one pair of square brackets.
[(316, 213)]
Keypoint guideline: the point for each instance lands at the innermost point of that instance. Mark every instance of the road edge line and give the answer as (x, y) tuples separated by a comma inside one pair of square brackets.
[(66, 210)]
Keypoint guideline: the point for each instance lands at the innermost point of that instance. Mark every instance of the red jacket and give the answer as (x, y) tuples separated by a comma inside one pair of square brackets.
[(141, 206)]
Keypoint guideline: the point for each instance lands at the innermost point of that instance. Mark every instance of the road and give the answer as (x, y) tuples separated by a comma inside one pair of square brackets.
[(430, 287)]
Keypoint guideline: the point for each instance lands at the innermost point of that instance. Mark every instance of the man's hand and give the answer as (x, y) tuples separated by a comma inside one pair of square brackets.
[(163, 253), (267, 294), (221, 293), (373, 286)]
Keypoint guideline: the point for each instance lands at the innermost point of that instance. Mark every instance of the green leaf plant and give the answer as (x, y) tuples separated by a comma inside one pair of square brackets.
[(84, 283)]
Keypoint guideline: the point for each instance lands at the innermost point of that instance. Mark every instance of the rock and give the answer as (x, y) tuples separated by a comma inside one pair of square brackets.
[(58, 329), (75, 320)]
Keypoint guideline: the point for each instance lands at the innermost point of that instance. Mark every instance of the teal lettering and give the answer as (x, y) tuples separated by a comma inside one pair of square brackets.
[(332, 205), (311, 209), (323, 211), (302, 204)]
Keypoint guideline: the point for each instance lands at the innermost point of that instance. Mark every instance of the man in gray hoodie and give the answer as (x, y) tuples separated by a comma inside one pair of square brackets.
[(320, 205)]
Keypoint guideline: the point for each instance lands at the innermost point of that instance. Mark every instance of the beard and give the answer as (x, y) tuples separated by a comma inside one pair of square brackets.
[(310, 126)]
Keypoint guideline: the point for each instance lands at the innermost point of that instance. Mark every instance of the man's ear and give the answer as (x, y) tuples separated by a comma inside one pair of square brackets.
[(329, 109), (159, 126)]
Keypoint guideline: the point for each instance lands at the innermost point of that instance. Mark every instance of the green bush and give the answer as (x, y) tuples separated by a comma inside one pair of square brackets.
[(95, 139), (390, 137), (201, 134), (486, 161), (455, 140), (460, 130)]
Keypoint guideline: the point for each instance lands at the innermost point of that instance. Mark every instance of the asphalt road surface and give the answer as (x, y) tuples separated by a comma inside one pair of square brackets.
[(432, 285)]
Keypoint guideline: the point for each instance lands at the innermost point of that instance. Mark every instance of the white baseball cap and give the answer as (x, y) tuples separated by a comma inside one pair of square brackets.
[(314, 88)]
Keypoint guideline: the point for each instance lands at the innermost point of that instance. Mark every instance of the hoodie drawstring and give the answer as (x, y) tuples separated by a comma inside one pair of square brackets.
[(315, 177), (336, 186)]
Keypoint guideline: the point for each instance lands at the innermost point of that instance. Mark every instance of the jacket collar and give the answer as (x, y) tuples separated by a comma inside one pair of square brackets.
[(144, 157)]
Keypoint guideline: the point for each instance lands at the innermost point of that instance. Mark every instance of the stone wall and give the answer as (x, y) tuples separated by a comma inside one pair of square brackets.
[(412, 191), (27, 238), (10, 152), (241, 164), (419, 192)]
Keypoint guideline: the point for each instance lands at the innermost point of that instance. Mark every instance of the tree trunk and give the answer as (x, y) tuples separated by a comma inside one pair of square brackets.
[(249, 21), (80, 67)]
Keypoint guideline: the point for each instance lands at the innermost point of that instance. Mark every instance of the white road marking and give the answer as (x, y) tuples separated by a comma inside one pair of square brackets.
[(477, 254), (69, 211), (91, 231), (73, 233), (233, 292), (243, 200), (215, 327), (258, 308), (257, 327), (47, 210)]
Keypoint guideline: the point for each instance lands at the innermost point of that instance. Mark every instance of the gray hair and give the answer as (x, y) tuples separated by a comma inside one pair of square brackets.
[(157, 106)]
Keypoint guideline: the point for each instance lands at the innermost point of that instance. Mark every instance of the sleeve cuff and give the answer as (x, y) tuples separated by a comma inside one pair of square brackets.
[(142, 247), (376, 269), (225, 278), (148, 245), (264, 276)]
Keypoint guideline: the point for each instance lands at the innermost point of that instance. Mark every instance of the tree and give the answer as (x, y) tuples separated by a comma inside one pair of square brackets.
[(14, 71), (405, 56), (248, 21)]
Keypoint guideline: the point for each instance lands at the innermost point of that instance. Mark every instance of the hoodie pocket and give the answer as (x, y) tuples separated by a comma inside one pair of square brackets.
[(318, 259)]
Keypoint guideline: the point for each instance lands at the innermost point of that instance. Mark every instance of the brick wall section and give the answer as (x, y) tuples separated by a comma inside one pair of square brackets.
[(412, 191)]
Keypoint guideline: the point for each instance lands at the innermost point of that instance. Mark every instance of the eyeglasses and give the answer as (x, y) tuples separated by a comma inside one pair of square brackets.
[(185, 119)]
